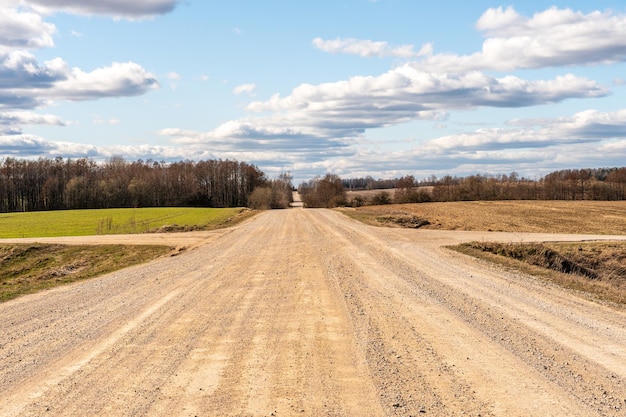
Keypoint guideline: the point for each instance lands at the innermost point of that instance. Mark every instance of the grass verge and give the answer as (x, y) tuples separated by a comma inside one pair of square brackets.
[(597, 269), (29, 268)]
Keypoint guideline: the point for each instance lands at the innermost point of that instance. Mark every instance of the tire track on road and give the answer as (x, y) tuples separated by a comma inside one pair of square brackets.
[(430, 284)]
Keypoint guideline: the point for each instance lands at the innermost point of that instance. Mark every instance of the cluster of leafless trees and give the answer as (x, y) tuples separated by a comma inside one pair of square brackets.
[(586, 184), (571, 184), (327, 191), (54, 184), (277, 194), (369, 183)]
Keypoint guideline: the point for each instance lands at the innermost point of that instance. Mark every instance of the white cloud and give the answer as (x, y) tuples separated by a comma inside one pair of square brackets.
[(27, 84), (20, 69), (11, 122), (245, 89), (500, 22), (539, 144), (20, 29), (405, 93), (29, 146), (368, 48), (529, 153), (116, 8), (174, 77), (326, 122), (618, 148), (582, 125), (587, 127), (554, 37), (20, 145), (111, 122), (324, 127), (30, 118), (119, 79)]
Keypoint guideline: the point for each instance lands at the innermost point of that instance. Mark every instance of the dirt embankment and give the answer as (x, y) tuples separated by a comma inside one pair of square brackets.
[(305, 312)]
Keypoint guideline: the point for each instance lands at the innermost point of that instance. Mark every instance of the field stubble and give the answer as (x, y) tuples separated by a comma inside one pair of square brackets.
[(593, 217)]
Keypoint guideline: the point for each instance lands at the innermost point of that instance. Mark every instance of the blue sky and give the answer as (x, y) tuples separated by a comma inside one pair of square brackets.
[(359, 87)]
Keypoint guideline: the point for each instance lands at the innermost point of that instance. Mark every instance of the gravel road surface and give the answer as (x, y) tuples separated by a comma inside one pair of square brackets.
[(305, 312)]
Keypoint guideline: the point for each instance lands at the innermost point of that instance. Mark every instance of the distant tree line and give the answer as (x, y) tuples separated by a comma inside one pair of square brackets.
[(571, 184), (55, 184), (368, 183)]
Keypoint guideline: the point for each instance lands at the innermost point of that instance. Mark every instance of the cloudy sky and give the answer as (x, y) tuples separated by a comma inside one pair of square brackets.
[(353, 87)]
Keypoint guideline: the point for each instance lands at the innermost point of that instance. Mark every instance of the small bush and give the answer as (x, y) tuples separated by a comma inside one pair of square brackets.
[(358, 201), (381, 198), (261, 198)]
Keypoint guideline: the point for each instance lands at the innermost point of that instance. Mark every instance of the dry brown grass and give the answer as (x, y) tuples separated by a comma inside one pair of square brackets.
[(597, 270), (596, 217)]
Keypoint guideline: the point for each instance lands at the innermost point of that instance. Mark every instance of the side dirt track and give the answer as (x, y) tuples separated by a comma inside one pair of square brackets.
[(306, 312)]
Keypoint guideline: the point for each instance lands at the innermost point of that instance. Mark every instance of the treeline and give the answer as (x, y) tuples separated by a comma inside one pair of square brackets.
[(369, 183), (572, 184), (56, 184)]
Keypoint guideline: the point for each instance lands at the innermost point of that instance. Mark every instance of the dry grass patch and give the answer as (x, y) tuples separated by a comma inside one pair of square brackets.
[(29, 268), (595, 217), (595, 268)]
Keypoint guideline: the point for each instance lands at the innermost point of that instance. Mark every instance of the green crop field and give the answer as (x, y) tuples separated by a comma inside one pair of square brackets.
[(112, 221)]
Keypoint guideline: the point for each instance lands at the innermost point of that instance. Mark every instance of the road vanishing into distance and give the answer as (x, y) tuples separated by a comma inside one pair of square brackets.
[(305, 312)]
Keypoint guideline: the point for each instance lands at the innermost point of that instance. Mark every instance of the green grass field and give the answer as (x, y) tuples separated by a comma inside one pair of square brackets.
[(111, 221)]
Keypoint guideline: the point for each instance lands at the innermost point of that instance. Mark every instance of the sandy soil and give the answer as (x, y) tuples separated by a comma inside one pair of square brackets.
[(305, 312)]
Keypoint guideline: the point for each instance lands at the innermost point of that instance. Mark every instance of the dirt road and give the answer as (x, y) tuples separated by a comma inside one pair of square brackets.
[(304, 312)]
